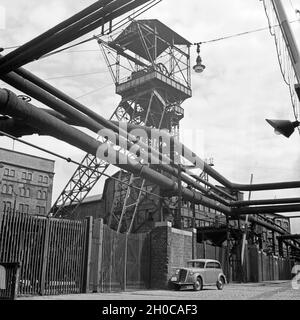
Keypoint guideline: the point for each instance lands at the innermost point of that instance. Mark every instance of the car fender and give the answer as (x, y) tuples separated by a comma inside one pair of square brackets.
[(198, 274), (222, 275)]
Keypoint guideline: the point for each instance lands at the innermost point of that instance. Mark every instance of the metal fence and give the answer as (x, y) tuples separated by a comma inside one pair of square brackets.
[(51, 252), (125, 261)]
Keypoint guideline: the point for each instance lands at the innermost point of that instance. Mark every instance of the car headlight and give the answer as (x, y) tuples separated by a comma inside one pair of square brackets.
[(191, 273), (177, 271)]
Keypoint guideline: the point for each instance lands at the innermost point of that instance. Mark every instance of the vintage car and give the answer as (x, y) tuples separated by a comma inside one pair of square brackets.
[(199, 273)]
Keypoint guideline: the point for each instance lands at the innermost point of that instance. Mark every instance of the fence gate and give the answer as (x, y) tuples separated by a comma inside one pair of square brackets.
[(125, 261), (51, 252)]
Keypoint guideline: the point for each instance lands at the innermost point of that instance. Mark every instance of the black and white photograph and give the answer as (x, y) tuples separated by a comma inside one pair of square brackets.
[(149, 154)]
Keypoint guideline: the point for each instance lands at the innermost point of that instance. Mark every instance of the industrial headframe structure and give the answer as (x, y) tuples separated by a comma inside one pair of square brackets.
[(150, 66)]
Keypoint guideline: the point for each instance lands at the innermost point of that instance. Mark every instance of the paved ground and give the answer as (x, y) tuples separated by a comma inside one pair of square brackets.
[(275, 290)]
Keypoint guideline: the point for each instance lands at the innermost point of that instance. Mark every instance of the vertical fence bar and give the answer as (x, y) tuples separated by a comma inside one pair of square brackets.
[(7, 236), (55, 248), (34, 257), (52, 250), (45, 256), (125, 261), (70, 262), (77, 276), (64, 257), (2, 231), (51, 260), (61, 231), (25, 262), (87, 254), (78, 265), (72, 256)]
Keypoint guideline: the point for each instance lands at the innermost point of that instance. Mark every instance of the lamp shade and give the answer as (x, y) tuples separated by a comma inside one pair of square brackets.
[(199, 67), (284, 127)]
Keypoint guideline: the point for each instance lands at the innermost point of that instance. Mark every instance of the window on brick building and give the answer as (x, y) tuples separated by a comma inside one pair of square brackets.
[(22, 192), (46, 180), (6, 172), (4, 188), (27, 193), (10, 189), (44, 195), (24, 175), (24, 208), (12, 173), (40, 179), (29, 176), (40, 210), (39, 194)]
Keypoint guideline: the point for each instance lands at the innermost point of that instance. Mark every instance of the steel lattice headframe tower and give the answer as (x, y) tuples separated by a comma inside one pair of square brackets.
[(150, 65)]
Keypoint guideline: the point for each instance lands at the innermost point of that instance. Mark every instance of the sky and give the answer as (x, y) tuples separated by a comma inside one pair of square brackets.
[(240, 88)]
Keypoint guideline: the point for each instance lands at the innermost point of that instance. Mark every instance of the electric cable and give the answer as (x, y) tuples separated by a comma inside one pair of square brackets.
[(241, 33), (69, 160), (75, 75)]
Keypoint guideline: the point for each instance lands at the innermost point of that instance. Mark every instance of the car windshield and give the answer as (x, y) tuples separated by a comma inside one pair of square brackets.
[(195, 264)]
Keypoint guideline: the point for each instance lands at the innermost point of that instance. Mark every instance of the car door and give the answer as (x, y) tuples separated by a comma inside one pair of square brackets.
[(217, 271), (210, 273)]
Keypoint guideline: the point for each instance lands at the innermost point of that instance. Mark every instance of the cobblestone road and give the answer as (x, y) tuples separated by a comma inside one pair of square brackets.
[(253, 291)]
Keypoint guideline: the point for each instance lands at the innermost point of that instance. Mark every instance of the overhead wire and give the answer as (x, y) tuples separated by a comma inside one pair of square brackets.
[(241, 33), (75, 75), (95, 90), (69, 160)]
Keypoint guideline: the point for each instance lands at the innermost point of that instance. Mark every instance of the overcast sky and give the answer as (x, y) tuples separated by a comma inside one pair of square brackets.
[(241, 86)]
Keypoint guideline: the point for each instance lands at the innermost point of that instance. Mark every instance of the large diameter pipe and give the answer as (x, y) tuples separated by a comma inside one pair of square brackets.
[(31, 85), (12, 56), (198, 162), (103, 12), (264, 202), (18, 128), (34, 90), (290, 237), (265, 209), (92, 121), (12, 106), (266, 224)]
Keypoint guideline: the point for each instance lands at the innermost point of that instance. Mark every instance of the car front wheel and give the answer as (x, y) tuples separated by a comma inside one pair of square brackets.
[(220, 283), (198, 285)]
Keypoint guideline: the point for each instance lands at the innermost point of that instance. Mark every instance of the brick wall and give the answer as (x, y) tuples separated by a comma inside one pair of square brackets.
[(170, 249)]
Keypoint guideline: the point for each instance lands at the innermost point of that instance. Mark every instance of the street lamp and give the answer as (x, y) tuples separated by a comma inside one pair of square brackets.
[(199, 67), (284, 127)]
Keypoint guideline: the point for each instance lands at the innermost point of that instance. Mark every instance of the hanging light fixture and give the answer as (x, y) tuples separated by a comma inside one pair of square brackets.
[(199, 67), (284, 127)]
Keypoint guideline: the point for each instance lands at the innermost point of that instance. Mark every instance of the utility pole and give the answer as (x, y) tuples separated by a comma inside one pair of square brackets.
[(245, 234), (288, 36), (179, 207)]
